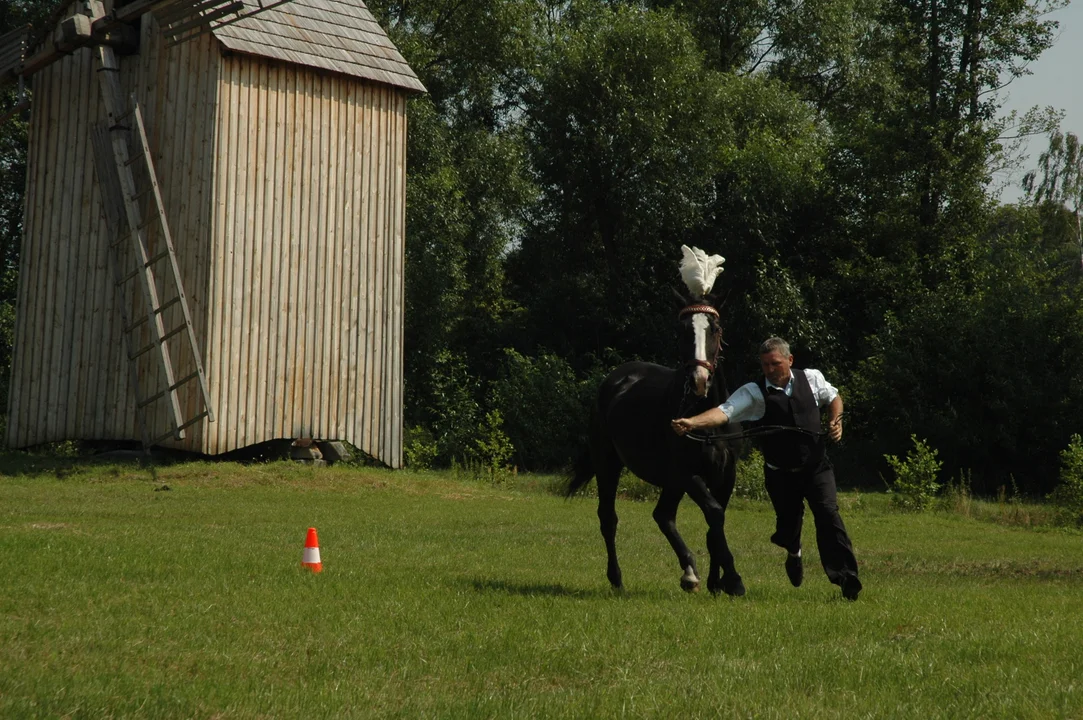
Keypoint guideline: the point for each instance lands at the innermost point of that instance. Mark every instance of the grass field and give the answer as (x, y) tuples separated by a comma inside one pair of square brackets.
[(446, 598)]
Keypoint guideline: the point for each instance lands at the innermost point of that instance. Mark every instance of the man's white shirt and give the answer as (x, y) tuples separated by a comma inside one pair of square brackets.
[(746, 404)]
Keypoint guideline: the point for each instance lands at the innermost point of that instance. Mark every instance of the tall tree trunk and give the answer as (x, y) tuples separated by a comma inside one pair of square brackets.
[(929, 198)]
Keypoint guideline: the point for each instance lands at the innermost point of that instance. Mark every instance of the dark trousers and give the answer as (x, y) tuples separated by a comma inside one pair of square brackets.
[(789, 491)]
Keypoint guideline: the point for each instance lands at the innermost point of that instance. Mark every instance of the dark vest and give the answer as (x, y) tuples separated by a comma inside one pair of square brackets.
[(792, 450)]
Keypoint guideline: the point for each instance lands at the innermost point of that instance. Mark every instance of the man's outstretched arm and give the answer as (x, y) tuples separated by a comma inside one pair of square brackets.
[(706, 419)]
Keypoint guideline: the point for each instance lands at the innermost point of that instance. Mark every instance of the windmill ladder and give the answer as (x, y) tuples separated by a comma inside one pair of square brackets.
[(121, 196)]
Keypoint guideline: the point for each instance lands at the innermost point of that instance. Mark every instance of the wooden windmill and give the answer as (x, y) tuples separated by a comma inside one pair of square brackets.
[(321, 170)]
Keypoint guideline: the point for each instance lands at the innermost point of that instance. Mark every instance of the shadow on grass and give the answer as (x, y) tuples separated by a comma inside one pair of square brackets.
[(506, 587), (68, 459), (71, 457)]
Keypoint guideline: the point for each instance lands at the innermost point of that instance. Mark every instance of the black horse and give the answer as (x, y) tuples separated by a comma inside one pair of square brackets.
[(630, 427)]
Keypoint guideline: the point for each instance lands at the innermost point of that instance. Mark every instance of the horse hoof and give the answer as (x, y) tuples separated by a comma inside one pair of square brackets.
[(690, 586), (689, 581), (733, 588)]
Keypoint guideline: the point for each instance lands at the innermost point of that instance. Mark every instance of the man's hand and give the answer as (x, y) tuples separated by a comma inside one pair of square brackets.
[(834, 429), (706, 419), (681, 425)]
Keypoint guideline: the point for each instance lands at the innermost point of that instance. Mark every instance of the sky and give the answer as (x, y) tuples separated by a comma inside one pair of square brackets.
[(1057, 81)]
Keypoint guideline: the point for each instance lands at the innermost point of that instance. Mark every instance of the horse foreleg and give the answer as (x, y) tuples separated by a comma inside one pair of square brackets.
[(721, 557), (665, 514), (607, 520), (721, 487)]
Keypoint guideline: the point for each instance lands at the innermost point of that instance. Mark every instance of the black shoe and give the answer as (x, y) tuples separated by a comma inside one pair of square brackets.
[(795, 570), (851, 586)]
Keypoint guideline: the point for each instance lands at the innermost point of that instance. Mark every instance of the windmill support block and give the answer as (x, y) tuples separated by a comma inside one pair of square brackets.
[(124, 39), (72, 33), (334, 451), (312, 452)]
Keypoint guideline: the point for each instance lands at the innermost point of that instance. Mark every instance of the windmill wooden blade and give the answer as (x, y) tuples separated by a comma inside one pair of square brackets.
[(183, 20), (180, 20), (12, 52), (71, 33)]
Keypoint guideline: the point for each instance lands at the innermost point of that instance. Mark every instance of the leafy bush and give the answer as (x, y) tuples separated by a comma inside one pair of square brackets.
[(1016, 300), (454, 429), (1068, 494), (545, 409), (451, 411), (631, 487), (492, 449), (750, 481), (915, 477), (419, 448)]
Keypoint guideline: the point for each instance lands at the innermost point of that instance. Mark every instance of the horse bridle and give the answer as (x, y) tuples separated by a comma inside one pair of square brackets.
[(687, 396), (707, 310)]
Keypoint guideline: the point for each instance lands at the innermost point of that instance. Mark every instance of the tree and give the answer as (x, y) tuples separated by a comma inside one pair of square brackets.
[(472, 56), (1057, 185), (638, 148), (466, 185), (984, 368), (811, 45), (914, 131), (624, 139), (939, 66)]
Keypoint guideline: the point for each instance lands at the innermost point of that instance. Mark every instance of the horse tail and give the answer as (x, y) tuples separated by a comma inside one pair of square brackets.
[(582, 472)]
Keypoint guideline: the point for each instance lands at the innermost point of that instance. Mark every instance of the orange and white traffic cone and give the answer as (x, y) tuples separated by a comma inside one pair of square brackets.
[(311, 557)]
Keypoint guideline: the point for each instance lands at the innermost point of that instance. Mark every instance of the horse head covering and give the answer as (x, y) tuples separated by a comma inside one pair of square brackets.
[(700, 271)]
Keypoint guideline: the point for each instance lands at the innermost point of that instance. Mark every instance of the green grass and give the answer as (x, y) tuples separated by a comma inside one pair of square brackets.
[(445, 597)]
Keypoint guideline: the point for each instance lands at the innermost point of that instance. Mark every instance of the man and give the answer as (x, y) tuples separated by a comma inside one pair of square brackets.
[(796, 465)]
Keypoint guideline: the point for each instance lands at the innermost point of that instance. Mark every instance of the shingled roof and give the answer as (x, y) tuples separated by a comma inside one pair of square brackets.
[(337, 35)]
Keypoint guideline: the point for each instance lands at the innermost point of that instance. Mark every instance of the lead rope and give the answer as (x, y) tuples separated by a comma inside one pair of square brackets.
[(752, 432)]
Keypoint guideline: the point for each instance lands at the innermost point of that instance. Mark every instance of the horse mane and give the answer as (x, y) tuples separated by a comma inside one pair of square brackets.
[(699, 271)]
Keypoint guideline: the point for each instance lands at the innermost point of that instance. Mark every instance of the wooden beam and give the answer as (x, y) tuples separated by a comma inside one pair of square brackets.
[(124, 39), (12, 49), (72, 33), (80, 31), (44, 57), (23, 104), (131, 11)]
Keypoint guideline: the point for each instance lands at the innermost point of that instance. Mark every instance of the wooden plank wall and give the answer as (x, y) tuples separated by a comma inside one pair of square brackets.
[(178, 88), (285, 190), (68, 380), (70, 377), (306, 286), (63, 325)]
